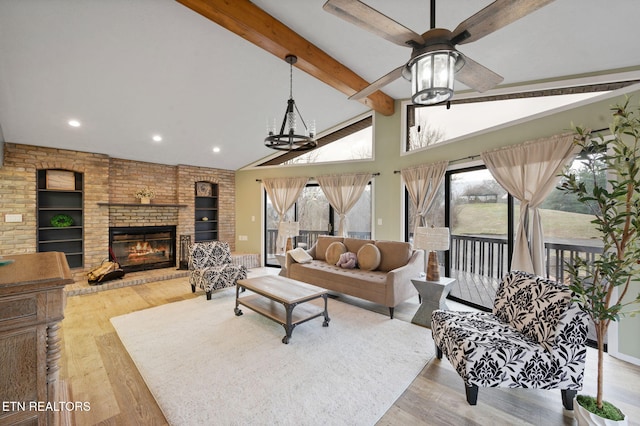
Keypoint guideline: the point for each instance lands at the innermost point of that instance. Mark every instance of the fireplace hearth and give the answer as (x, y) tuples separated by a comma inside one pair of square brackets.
[(139, 248)]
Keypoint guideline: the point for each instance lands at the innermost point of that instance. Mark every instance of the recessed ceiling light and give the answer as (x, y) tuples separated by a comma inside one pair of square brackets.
[(74, 123), (216, 149), (157, 138)]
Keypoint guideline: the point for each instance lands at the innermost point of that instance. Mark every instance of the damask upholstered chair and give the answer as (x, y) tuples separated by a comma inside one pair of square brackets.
[(534, 338), (210, 267)]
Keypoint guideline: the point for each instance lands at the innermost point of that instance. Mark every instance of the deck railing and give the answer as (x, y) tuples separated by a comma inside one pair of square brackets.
[(479, 255), (307, 238), (487, 256), (558, 254)]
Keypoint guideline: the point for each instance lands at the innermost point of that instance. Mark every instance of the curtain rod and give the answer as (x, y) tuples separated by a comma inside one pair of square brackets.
[(470, 157), (372, 174)]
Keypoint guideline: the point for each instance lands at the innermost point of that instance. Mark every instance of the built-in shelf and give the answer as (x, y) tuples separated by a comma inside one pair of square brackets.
[(206, 211), (141, 205), (60, 193)]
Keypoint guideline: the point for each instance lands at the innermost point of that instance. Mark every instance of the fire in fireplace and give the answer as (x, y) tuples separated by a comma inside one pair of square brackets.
[(140, 248)]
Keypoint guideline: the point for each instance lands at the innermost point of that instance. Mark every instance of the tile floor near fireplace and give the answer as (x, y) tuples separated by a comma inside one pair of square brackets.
[(81, 286)]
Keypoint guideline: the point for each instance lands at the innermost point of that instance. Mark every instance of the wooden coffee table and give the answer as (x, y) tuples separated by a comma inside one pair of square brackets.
[(276, 297)]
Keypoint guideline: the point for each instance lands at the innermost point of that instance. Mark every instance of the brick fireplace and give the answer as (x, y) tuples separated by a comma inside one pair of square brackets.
[(108, 198)]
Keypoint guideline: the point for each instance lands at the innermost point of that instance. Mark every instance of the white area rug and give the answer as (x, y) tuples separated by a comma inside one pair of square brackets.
[(204, 365)]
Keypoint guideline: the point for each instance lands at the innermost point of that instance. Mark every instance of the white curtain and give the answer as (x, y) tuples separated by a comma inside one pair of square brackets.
[(343, 192), (283, 192), (422, 183), (529, 172)]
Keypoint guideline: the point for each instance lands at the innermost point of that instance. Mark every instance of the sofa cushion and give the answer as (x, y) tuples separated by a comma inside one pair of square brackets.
[(532, 305), (368, 285), (300, 255), (369, 257), (334, 251), (393, 254), (354, 244), (323, 243)]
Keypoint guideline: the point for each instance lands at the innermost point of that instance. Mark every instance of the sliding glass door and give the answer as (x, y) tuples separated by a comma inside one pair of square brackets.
[(480, 217)]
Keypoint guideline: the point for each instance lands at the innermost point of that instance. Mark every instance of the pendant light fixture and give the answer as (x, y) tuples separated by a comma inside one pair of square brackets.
[(432, 70), (288, 139)]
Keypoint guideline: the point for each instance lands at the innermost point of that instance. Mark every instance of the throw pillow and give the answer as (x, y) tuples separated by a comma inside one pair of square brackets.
[(348, 260), (532, 305), (324, 241), (369, 257), (300, 255), (334, 251), (393, 254)]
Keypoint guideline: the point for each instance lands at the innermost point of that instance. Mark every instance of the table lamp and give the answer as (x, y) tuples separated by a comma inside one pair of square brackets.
[(288, 230), (431, 240)]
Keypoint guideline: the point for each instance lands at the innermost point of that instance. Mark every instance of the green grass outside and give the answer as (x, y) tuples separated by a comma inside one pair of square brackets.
[(491, 219)]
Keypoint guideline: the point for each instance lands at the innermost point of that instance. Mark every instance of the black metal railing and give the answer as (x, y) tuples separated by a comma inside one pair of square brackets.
[(558, 254), (488, 256), (306, 238), (479, 255)]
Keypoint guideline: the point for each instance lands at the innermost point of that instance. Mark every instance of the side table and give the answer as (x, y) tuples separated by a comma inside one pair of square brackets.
[(282, 260), (434, 295)]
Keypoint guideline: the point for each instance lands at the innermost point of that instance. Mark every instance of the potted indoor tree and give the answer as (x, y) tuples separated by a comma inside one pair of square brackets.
[(603, 286)]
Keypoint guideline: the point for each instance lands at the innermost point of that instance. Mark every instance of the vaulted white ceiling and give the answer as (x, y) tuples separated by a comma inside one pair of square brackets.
[(130, 69)]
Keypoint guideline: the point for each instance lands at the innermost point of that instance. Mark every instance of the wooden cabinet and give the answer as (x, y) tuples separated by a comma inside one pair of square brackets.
[(60, 214), (31, 308), (206, 211)]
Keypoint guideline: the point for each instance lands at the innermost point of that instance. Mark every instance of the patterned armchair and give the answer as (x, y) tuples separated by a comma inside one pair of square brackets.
[(534, 338), (210, 267)]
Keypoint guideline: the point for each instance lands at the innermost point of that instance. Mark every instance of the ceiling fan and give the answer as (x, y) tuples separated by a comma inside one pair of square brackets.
[(435, 62)]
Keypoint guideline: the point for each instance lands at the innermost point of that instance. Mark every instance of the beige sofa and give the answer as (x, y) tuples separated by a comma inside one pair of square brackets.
[(388, 284)]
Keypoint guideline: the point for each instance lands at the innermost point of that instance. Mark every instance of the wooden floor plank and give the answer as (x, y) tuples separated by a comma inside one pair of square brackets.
[(127, 383)]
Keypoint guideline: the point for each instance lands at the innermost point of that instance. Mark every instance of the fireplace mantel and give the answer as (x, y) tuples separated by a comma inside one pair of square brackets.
[(140, 205)]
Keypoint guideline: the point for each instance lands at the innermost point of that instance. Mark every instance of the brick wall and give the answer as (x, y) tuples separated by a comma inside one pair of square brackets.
[(126, 177), (109, 184), (186, 177)]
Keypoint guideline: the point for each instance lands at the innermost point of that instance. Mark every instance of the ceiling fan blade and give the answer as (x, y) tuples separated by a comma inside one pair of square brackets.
[(477, 77), (498, 14), (369, 19), (378, 84)]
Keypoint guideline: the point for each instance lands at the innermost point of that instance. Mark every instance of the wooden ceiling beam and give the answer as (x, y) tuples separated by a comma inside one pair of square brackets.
[(255, 25)]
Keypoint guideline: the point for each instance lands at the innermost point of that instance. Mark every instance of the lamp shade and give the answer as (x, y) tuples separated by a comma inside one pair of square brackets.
[(431, 238), (289, 229), (286, 231)]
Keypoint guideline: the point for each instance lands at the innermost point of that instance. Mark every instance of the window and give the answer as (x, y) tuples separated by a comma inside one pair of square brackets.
[(427, 126), (352, 142), (316, 217), (355, 146), (566, 222)]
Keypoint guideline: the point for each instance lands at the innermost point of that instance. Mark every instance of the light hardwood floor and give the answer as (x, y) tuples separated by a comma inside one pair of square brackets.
[(98, 370)]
